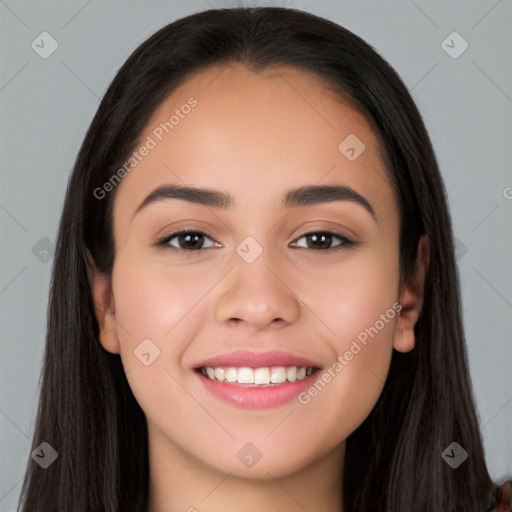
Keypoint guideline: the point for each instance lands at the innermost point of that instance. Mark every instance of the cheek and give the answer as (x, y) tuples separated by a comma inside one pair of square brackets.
[(346, 391), (151, 299), (158, 314), (352, 296), (357, 306)]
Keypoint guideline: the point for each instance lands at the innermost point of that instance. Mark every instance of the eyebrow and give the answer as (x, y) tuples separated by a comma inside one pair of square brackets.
[(302, 196)]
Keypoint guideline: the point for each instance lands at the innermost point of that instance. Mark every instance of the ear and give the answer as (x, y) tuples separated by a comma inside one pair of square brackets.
[(411, 299), (101, 286)]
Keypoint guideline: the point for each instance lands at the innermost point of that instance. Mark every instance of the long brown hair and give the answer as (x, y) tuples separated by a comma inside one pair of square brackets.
[(87, 411)]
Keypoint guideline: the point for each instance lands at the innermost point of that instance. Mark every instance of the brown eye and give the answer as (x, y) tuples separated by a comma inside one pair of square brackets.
[(322, 240), (186, 240)]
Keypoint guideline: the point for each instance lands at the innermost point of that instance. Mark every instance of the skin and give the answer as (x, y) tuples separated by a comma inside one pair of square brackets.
[(255, 135)]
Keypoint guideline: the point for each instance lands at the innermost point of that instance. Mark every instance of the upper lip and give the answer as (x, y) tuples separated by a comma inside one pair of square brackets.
[(258, 360)]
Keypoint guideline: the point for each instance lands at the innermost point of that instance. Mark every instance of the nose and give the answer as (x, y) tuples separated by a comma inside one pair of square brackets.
[(259, 294)]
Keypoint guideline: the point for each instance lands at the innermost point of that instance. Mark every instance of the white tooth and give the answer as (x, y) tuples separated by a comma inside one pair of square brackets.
[(261, 376), (301, 373), (245, 375), (291, 373), (231, 374), (277, 374), (219, 374), (209, 372)]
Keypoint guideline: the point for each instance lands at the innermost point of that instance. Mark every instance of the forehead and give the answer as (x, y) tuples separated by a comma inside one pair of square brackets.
[(254, 134)]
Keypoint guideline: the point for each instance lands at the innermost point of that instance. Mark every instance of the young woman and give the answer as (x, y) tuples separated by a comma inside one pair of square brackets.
[(255, 303)]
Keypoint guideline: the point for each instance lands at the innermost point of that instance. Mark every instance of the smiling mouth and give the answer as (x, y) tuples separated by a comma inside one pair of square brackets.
[(265, 376)]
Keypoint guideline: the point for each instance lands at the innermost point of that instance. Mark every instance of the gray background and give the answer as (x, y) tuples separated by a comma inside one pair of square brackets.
[(46, 106)]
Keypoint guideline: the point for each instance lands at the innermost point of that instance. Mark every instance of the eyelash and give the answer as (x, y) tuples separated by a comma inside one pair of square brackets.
[(163, 242)]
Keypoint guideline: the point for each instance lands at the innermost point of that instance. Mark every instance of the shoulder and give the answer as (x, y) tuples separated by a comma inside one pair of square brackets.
[(504, 497)]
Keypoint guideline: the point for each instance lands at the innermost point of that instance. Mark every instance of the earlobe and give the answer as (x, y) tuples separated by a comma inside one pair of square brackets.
[(101, 287), (411, 299), (403, 340)]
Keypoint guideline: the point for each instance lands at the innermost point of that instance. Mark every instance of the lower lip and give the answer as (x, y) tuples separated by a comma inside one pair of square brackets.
[(252, 397)]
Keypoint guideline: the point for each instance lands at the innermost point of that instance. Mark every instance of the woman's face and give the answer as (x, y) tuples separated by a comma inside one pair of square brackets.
[(266, 284)]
